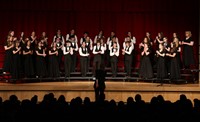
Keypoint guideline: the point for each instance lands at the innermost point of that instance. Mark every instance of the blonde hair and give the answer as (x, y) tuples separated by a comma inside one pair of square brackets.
[(189, 33), (176, 41)]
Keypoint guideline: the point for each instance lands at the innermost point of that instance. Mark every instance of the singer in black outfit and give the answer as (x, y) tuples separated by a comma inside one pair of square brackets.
[(97, 51), (84, 54)]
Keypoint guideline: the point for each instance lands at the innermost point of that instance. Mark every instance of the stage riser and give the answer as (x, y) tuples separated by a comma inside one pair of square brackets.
[(116, 95)]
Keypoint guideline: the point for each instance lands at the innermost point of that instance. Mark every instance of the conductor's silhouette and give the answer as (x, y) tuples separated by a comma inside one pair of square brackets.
[(99, 85)]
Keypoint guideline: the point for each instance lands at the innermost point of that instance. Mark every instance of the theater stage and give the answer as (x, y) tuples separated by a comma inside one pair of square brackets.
[(119, 91)]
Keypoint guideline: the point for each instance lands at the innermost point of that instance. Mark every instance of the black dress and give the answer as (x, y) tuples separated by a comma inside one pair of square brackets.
[(167, 59), (23, 46), (188, 55), (16, 70), (161, 67), (179, 58), (28, 63), (53, 65), (174, 68), (146, 70), (41, 64), (7, 66)]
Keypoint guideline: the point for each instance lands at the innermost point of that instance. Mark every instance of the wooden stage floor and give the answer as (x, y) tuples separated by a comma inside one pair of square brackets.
[(116, 90)]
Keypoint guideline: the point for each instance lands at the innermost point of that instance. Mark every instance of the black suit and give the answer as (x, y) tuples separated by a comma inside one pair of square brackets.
[(99, 84)]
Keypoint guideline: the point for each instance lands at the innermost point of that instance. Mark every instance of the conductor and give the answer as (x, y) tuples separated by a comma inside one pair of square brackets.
[(99, 85)]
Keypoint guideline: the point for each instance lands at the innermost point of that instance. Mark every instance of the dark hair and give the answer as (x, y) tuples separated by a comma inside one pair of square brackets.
[(86, 32), (98, 41), (100, 74)]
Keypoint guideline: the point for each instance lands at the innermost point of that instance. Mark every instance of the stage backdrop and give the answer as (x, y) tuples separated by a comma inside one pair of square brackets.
[(137, 16)]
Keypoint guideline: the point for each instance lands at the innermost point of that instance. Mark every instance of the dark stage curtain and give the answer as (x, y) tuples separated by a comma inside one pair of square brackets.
[(137, 16)]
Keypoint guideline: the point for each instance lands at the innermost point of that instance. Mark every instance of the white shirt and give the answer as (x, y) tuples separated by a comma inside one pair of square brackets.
[(97, 37), (97, 47), (75, 43), (128, 51), (133, 41), (108, 40), (104, 47), (112, 53), (65, 52), (76, 39), (110, 45), (62, 38), (81, 40), (82, 54)]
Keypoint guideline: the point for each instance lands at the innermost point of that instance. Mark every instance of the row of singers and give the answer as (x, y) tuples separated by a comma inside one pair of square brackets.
[(146, 70), (128, 46), (35, 63)]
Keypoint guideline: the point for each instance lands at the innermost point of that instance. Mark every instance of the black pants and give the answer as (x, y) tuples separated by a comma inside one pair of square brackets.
[(128, 64), (73, 61), (96, 63), (107, 53), (60, 54), (84, 65), (99, 94), (113, 60), (67, 65)]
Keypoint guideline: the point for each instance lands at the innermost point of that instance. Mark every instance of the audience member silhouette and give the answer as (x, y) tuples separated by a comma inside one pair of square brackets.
[(51, 109)]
